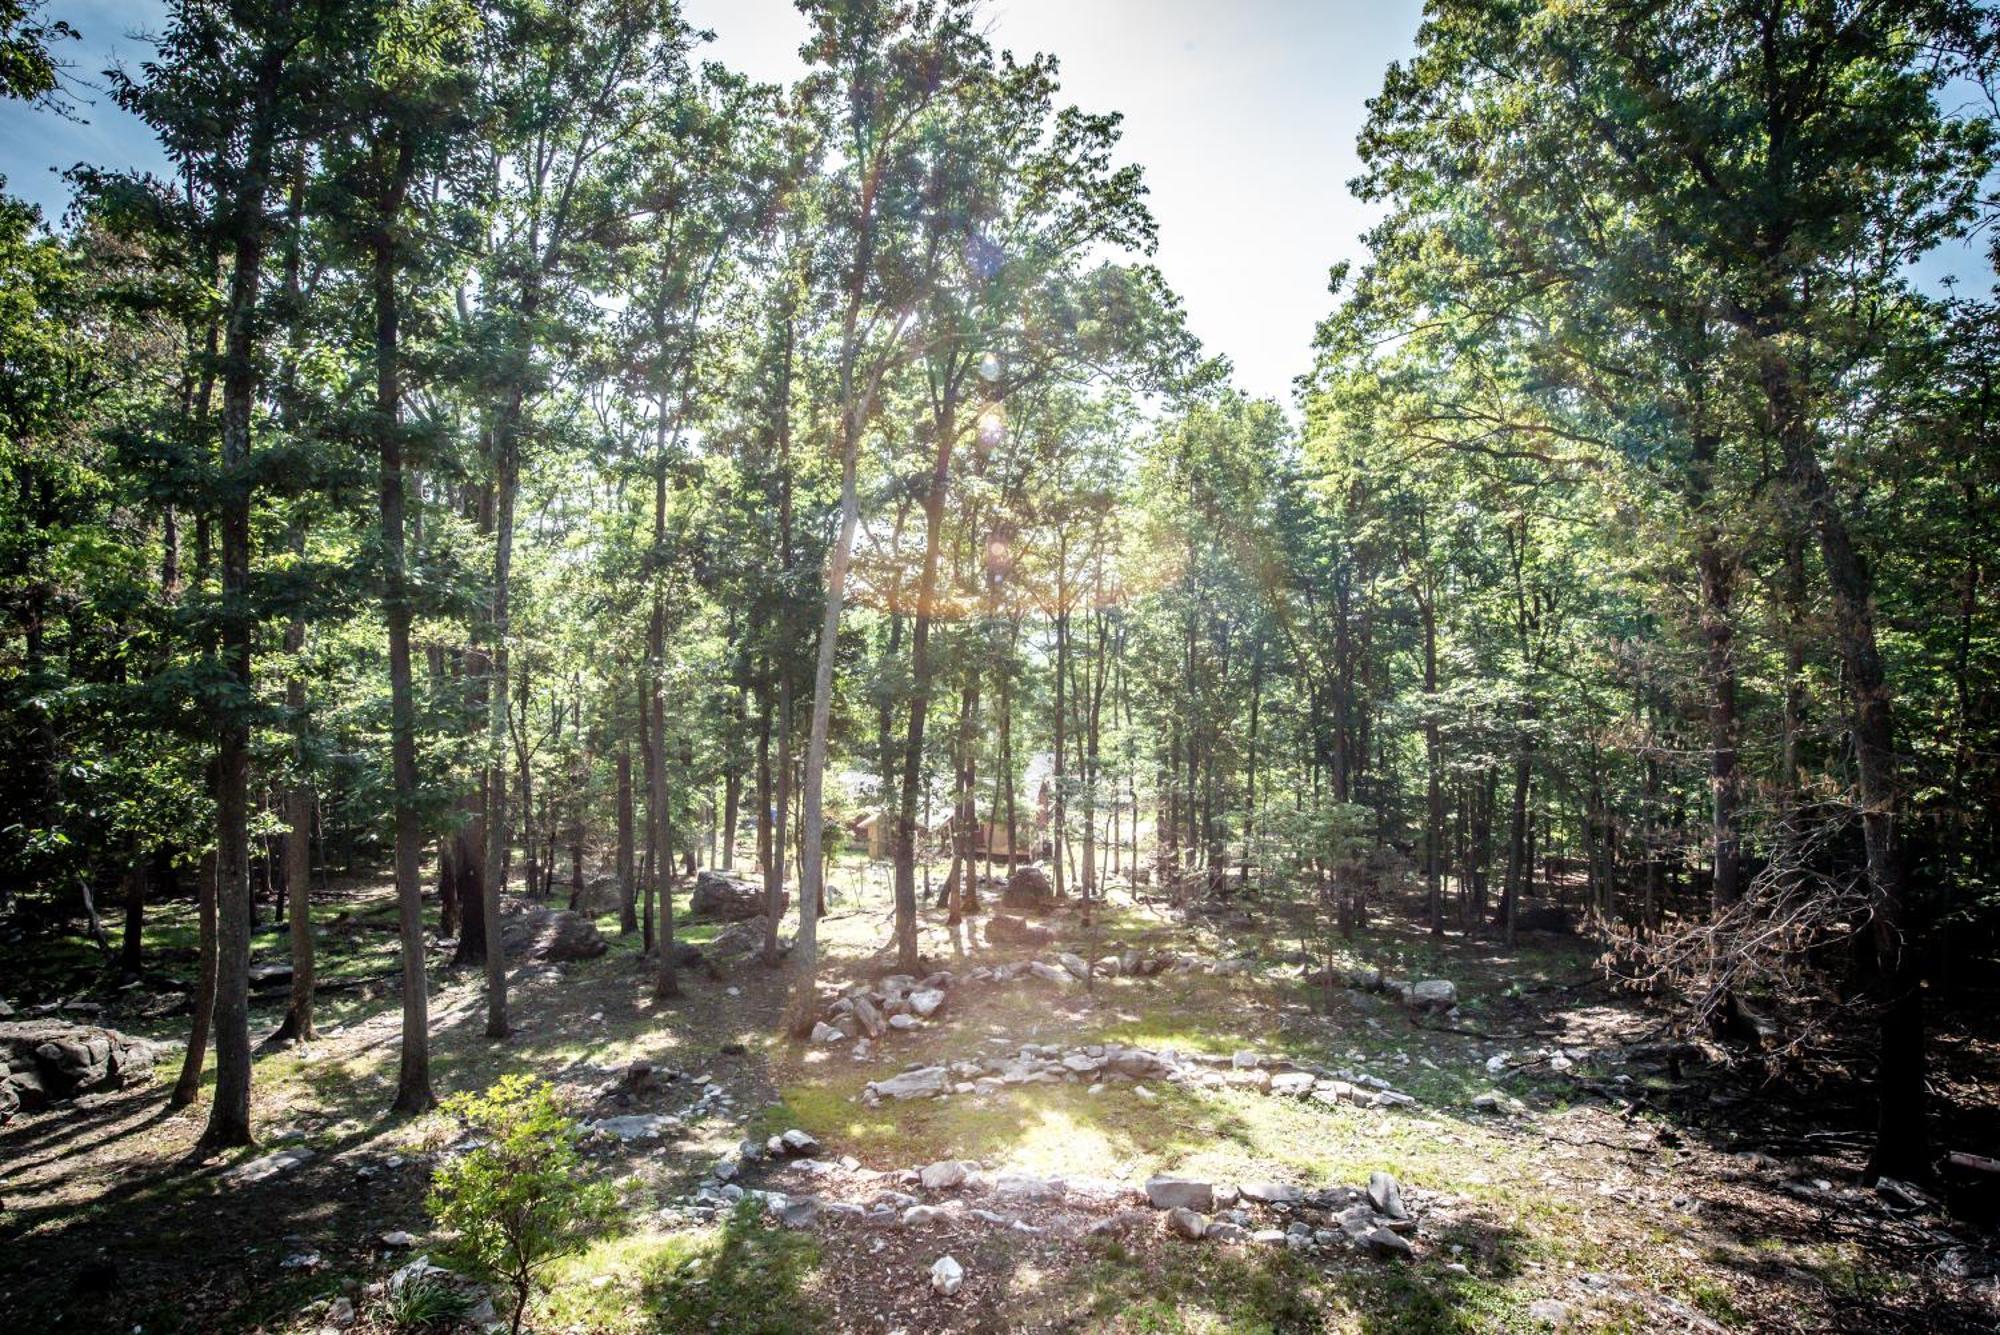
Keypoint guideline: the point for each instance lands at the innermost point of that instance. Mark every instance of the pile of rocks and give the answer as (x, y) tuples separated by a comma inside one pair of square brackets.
[(1428, 996), (1373, 1220), (1066, 970), (899, 1001), (43, 1062), (1097, 1063)]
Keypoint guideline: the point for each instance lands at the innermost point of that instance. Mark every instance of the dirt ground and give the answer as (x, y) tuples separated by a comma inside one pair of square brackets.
[(1621, 1195)]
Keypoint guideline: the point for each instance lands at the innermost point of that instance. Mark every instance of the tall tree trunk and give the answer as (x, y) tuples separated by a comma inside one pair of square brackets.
[(188, 1084), (775, 886), (229, 1115), (946, 422), (805, 997), (666, 980), (506, 450), (628, 915), (1902, 1133), (413, 1081)]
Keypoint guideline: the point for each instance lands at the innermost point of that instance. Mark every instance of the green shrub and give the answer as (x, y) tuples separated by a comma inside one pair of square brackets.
[(424, 1303), (520, 1200)]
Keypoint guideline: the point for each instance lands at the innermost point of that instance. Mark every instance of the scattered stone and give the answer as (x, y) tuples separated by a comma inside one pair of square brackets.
[(802, 1212), (1048, 973), (1386, 1245), (340, 1312), (1494, 1101), (942, 1175), (267, 1167), (1292, 1084), (825, 1033), (1169, 1193), (1549, 1310), (1434, 994), (947, 1276), (398, 1239), (1026, 1186), (1271, 1193), (1223, 1230), (925, 1001), (870, 1018), (926, 1082), (1186, 1223), (633, 1126), (1005, 930), (1386, 1196)]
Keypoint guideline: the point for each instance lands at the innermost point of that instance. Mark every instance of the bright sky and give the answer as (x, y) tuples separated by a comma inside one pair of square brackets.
[(1242, 112)]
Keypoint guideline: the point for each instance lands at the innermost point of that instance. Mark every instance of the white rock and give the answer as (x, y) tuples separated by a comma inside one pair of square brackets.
[(942, 1175), (926, 1000), (269, 1166), (926, 1082), (947, 1276), (826, 1033)]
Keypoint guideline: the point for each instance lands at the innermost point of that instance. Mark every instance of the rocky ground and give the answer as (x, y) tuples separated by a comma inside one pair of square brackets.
[(1151, 1121)]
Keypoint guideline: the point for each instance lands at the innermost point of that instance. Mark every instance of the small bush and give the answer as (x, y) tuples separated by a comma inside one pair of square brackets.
[(424, 1303), (521, 1200)]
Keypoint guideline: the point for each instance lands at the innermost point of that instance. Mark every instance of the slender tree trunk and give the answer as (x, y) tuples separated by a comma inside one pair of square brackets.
[(628, 915), (188, 1085), (805, 997), (920, 687), (1902, 1139), (413, 1082), (229, 1115), (776, 884), (666, 981)]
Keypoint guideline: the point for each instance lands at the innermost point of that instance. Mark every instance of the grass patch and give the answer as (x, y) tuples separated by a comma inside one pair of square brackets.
[(738, 1276)]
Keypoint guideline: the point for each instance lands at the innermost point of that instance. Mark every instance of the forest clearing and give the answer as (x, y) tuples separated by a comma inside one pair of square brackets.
[(916, 665)]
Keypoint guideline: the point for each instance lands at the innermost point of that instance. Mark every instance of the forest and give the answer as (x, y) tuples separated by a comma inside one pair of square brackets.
[(638, 700)]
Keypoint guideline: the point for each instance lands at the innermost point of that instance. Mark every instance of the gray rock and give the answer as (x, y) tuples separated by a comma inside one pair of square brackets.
[(1028, 887), (799, 1142), (925, 1001), (926, 1082), (718, 894), (1169, 1193), (1387, 1246), (947, 1276), (802, 1212), (1223, 1230), (267, 1167), (551, 936), (1026, 1186), (1434, 994), (1386, 1195), (870, 1018), (1048, 973), (826, 1033), (1549, 1310), (942, 1175), (633, 1126), (1271, 1193), (1186, 1223)]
